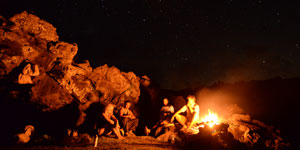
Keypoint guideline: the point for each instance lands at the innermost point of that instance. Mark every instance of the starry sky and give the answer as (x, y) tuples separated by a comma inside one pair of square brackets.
[(179, 43)]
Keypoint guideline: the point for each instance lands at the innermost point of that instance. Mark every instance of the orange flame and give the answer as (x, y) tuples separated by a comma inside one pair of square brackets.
[(211, 119)]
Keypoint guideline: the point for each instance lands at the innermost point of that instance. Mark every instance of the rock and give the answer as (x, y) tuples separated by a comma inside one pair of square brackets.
[(49, 94), (116, 86), (63, 52), (31, 25), (33, 62), (254, 132)]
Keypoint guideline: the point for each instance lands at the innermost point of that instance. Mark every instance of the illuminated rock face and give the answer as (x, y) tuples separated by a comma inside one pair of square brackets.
[(31, 44)]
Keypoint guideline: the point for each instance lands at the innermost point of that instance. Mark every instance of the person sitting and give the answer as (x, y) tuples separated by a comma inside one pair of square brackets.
[(166, 113), (25, 137), (129, 121), (26, 76), (108, 122), (192, 111)]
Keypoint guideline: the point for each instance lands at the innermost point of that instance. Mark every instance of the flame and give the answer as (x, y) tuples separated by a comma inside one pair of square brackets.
[(211, 119)]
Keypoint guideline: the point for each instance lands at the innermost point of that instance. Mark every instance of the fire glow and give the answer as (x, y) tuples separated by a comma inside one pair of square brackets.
[(211, 119)]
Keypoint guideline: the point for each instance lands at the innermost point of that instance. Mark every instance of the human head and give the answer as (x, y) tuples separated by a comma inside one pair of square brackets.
[(109, 108), (165, 101), (127, 104), (145, 81), (191, 100)]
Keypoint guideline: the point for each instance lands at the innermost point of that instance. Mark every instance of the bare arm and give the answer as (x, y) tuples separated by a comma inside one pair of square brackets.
[(113, 117), (116, 120), (183, 109), (131, 115), (122, 113), (172, 109), (36, 71), (107, 118)]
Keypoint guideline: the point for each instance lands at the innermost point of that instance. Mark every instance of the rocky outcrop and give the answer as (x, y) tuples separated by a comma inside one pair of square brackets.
[(32, 56)]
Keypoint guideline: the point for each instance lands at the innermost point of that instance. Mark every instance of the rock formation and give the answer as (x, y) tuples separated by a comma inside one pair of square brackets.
[(33, 58)]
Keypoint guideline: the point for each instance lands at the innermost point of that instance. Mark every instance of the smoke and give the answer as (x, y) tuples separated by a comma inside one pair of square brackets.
[(219, 102)]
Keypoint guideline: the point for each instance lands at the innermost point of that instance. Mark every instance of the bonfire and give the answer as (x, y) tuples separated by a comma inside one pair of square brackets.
[(210, 119), (238, 127)]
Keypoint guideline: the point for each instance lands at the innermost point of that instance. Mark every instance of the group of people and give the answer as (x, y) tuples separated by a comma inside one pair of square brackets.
[(187, 117), (108, 122)]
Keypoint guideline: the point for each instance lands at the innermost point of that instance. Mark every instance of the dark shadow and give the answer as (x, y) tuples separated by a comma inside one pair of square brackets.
[(56, 123), (92, 116)]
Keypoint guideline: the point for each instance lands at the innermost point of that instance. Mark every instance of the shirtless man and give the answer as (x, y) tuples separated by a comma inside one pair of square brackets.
[(109, 122), (192, 114)]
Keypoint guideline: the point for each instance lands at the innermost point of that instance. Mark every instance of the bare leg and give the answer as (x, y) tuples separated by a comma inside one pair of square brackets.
[(158, 130), (117, 132), (181, 119), (101, 131), (96, 141), (109, 133), (147, 131)]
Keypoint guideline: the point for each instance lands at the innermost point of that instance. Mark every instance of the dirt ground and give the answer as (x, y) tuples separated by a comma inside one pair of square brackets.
[(132, 143)]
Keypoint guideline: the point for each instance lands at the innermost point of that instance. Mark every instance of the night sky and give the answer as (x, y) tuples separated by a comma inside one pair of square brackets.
[(179, 43)]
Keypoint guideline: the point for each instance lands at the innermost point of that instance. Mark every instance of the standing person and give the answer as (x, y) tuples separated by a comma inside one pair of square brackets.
[(192, 114), (129, 121), (108, 122)]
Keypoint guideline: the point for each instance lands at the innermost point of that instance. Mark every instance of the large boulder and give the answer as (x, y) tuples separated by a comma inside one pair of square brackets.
[(38, 68)]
